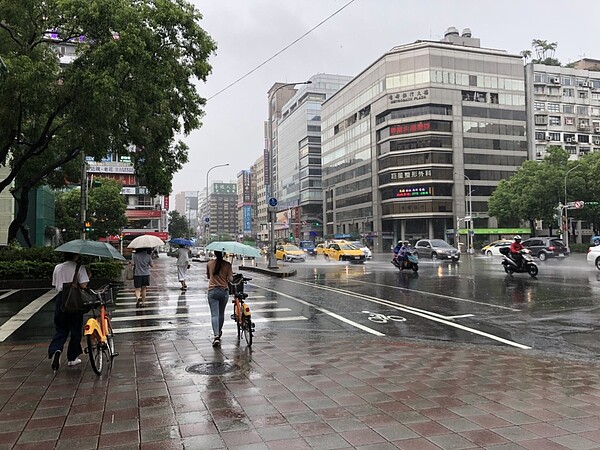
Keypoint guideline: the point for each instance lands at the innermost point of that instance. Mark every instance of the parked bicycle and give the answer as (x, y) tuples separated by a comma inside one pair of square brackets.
[(241, 310), (98, 330)]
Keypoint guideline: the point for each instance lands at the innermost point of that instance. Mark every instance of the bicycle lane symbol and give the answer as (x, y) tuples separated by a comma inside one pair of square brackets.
[(382, 318)]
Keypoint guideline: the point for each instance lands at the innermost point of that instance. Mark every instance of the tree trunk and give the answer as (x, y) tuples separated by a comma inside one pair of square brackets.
[(23, 206)]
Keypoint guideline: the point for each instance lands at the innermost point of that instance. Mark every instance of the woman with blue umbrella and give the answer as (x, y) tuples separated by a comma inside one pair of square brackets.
[(183, 259)]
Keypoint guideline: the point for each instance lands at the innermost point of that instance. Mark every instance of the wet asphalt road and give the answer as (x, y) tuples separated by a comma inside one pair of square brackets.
[(472, 301)]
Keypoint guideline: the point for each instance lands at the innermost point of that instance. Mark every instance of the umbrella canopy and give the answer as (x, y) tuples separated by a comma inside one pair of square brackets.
[(234, 247), (91, 248), (182, 241), (146, 241)]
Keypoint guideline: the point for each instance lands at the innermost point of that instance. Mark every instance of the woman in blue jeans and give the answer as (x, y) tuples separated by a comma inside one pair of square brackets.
[(219, 273)]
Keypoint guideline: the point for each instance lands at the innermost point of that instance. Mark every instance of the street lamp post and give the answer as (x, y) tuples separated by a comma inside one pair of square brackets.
[(272, 261), (566, 208), (468, 217), (207, 226)]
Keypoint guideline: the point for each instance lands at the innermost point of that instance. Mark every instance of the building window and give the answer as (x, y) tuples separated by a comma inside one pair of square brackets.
[(567, 81), (583, 138), (554, 120), (539, 106), (571, 149), (541, 120), (583, 110), (554, 136), (540, 136), (569, 92), (583, 94), (539, 89), (569, 121), (568, 109), (553, 107)]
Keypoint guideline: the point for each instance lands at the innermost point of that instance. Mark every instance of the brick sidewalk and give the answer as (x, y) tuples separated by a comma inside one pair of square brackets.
[(295, 391)]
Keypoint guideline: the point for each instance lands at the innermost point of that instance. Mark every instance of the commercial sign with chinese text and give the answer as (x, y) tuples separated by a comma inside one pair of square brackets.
[(247, 214), (415, 127), (224, 188), (110, 168), (422, 173), (415, 192), (400, 97)]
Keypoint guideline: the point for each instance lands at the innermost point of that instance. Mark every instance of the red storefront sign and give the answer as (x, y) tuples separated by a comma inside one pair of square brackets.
[(166, 202), (410, 128), (142, 213), (159, 234)]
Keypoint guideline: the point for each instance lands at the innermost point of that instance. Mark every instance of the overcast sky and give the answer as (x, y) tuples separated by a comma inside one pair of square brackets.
[(248, 32)]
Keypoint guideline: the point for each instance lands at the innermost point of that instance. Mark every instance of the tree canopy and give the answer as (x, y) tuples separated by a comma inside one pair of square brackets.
[(538, 187), (178, 225), (129, 89), (105, 211), (544, 52)]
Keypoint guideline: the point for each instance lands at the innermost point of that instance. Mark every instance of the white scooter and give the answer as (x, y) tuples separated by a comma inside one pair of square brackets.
[(511, 266)]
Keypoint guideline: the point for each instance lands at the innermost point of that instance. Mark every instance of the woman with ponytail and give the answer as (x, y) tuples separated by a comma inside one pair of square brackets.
[(219, 273)]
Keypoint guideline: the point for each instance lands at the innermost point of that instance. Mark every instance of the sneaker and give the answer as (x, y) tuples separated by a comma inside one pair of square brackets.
[(56, 360), (216, 341), (75, 362)]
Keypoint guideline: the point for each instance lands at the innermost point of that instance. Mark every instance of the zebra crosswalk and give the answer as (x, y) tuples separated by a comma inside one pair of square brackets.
[(166, 311)]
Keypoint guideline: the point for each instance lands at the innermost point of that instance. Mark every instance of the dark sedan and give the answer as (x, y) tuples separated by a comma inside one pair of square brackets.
[(436, 249), (546, 247)]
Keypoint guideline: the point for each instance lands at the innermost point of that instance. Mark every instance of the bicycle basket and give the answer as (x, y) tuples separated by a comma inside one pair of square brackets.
[(237, 285)]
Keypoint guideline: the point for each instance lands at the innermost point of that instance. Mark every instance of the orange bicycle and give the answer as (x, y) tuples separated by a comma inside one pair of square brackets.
[(241, 310), (98, 330)]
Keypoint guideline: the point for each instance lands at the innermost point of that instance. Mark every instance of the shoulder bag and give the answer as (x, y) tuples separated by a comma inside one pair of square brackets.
[(75, 299)]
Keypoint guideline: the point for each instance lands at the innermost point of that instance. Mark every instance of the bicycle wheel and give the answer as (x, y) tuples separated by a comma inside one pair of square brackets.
[(95, 352), (110, 340), (238, 319), (247, 329)]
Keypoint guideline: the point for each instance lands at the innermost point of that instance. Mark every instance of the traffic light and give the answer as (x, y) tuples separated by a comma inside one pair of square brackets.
[(87, 227), (317, 224)]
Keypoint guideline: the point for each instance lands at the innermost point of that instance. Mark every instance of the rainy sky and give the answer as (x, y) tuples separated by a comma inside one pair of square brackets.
[(249, 32)]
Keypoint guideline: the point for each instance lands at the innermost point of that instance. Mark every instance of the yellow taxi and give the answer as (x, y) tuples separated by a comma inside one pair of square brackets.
[(320, 249), (342, 251), (289, 253)]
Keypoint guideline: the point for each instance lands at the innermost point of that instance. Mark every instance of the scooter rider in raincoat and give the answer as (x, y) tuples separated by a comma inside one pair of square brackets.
[(400, 250), (515, 249)]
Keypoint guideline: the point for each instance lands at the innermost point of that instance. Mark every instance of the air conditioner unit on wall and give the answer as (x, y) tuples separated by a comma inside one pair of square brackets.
[(570, 140), (585, 85), (556, 80)]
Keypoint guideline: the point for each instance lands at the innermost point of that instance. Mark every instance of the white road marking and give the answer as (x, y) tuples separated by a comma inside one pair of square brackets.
[(329, 313), (227, 325), (12, 324), (161, 306), (9, 293), (183, 315), (414, 311)]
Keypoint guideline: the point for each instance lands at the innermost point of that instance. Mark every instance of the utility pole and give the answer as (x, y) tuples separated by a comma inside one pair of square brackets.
[(83, 197)]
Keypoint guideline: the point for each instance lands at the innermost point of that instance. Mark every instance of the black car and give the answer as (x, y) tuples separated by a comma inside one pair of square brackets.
[(546, 247), (436, 249)]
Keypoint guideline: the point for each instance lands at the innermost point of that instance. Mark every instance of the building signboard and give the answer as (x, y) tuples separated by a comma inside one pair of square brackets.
[(401, 97), (142, 213), (110, 168), (247, 214), (415, 127), (421, 173), (415, 192), (224, 188)]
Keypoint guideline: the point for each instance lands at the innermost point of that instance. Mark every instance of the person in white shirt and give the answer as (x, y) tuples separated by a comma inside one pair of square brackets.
[(66, 323), (183, 264)]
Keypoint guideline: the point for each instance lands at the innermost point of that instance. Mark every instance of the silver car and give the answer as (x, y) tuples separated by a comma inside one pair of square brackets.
[(436, 249)]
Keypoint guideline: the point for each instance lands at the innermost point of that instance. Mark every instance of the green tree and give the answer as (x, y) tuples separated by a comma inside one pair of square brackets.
[(105, 211), (129, 90), (67, 213), (533, 192), (178, 225), (544, 52)]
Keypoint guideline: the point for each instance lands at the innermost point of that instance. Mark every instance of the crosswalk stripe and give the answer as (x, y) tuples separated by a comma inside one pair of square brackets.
[(12, 324), (183, 315), (161, 306), (227, 325)]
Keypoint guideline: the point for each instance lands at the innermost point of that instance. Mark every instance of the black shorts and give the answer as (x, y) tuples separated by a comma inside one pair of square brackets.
[(141, 280)]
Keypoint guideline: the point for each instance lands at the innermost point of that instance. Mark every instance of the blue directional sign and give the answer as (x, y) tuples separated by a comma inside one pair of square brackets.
[(207, 219), (273, 202)]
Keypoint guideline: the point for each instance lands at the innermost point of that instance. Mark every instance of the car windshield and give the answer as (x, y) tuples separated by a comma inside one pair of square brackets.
[(290, 248), (347, 247), (557, 243), (357, 244), (440, 243)]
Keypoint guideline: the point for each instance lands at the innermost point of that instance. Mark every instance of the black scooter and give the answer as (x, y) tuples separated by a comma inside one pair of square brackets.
[(511, 266)]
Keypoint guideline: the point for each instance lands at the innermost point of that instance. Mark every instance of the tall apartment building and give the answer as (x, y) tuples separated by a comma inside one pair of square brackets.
[(222, 211), (563, 108), (186, 204), (244, 203), (296, 139), (422, 133), (259, 212)]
